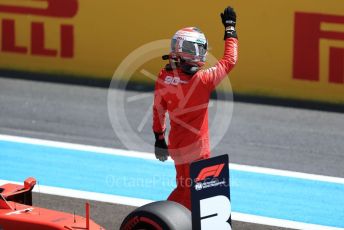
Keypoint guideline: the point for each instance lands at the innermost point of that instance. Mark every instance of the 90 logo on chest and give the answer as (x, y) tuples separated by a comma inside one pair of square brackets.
[(169, 80)]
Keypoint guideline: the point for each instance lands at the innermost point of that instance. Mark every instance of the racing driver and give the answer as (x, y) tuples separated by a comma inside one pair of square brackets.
[(183, 90)]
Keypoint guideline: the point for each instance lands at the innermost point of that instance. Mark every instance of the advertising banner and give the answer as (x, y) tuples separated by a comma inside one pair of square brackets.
[(288, 49)]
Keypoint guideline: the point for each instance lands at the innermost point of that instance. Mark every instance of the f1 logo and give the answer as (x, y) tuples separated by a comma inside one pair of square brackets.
[(307, 35), (45, 8), (211, 171)]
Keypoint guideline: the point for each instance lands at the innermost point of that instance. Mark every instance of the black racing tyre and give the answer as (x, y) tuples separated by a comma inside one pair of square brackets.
[(160, 215)]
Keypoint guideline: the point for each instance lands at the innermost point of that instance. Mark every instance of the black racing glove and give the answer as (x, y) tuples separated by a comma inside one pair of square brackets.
[(229, 21), (161, 150)]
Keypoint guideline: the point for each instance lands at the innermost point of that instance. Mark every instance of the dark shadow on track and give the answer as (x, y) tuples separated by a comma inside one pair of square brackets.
[(105, 83)]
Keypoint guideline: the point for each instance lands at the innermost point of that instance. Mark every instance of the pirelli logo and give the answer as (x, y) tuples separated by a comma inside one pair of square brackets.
[(315, 33), (40, 9)]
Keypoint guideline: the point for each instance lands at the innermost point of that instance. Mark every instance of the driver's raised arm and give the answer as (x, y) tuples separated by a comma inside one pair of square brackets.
[(214, 75)]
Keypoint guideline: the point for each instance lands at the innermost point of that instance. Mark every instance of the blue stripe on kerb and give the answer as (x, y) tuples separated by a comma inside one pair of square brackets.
[(280, 197)]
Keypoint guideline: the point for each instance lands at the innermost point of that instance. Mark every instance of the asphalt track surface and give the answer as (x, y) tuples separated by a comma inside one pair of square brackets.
[(259, 135)]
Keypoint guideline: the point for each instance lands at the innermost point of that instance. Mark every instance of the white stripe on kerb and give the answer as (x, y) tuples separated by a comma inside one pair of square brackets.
[(279, 222), (85, 195)]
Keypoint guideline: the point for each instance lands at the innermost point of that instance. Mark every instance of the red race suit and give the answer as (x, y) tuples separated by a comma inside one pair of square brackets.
[(186, 99)]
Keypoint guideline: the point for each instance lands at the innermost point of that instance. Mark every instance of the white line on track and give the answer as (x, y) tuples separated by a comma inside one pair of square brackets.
[(139, 202), (279, 222), (85, 195)]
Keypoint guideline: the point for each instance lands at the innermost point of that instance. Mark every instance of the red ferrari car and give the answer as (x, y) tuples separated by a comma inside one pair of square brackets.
[(17, 212)]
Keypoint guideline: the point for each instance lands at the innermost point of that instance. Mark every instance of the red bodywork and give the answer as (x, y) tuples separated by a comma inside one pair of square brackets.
[(17, 212)]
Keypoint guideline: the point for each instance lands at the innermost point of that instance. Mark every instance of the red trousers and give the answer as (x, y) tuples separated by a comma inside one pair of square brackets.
[(182, 193)]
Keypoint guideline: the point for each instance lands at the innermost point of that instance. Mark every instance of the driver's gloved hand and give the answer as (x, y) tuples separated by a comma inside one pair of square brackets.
[(161, 150)]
